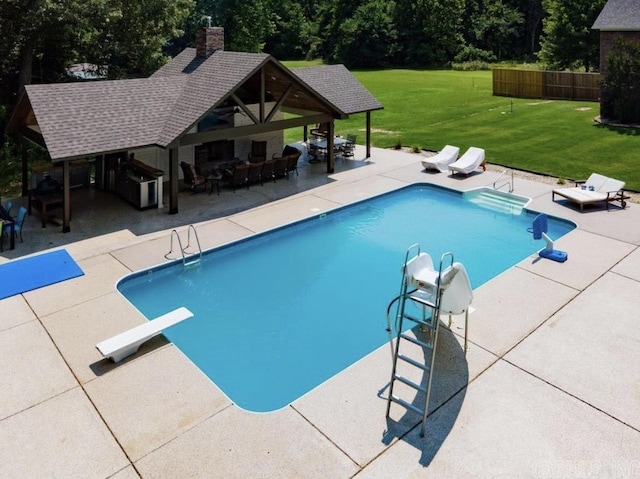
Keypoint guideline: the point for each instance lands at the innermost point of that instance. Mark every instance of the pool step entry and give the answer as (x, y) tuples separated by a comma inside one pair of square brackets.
[(430, 292), (190, 256), (497, 200)]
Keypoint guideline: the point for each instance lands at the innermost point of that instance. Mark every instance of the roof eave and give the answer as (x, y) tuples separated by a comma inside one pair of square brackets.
[(87, 154)]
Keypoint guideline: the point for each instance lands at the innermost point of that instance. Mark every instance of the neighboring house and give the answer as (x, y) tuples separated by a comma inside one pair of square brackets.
[(618, 18), (206, 101)]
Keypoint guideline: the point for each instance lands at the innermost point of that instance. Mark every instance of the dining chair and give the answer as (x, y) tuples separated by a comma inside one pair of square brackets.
[(268, 171), (191, 177), (7, 206), (349, 146), (22, 214)]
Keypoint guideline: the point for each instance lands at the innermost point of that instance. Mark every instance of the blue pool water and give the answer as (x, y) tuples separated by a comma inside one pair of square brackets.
[(279, 313)]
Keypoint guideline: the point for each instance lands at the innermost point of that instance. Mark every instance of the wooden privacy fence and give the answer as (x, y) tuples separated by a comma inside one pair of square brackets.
[(546, 84)]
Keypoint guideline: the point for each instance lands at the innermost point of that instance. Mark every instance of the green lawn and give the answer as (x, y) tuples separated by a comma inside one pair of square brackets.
[(428, 109)]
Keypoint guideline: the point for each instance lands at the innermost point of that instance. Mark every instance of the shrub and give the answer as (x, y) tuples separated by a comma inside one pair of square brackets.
[(621, 86), (471, 66), (470, 54)]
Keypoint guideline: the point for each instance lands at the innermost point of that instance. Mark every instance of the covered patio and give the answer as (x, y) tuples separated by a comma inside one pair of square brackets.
[(98, 212), (205, 105)]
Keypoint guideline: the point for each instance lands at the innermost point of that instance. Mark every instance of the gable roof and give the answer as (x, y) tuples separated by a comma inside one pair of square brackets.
[(340, 87), (619, 15), (209, 82), (85, 118)]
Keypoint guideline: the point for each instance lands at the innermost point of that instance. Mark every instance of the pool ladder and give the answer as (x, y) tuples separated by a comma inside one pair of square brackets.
[(427, 298), (186, 254), (505, 182)]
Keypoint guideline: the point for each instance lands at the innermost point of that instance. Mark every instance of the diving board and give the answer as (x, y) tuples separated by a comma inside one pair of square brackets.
[(127, 343)]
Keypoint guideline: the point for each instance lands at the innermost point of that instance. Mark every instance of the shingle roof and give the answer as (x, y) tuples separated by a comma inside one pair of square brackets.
[(619, 15), (208, 84), (93, 117), (87, 118), (340, 87), (80, 119), (184, 63)]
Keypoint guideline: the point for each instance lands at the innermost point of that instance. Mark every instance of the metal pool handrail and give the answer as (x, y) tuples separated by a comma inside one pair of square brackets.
[(507, 182)]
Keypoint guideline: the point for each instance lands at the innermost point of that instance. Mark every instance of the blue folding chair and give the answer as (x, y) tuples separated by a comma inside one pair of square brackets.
[(7, 206), (22, 213)]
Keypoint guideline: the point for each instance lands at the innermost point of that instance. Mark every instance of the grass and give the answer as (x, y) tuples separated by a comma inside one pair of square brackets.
[(428, 109)]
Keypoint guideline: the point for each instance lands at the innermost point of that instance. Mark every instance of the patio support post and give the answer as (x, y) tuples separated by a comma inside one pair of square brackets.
[(25, 166), (331, 158), (262, 93), (173, 181), (305, 133), (368, 135), (66, 195)]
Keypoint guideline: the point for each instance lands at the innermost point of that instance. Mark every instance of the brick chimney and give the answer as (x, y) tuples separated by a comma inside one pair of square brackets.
[(209, 40)]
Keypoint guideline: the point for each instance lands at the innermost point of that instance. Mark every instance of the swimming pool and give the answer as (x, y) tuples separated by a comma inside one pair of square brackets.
[(279, 313)]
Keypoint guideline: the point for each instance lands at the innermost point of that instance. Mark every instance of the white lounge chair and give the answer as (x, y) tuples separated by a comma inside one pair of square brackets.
[(472, 159), (127, 343), (442, 160), (597, 188)]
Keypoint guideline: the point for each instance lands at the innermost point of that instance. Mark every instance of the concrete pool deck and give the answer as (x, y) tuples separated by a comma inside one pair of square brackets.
[(550, 386)]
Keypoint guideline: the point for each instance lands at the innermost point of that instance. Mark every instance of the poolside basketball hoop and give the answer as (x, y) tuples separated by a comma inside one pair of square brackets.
[(539, 230)]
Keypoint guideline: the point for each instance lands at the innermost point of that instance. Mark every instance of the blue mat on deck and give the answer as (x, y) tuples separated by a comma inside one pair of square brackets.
[(34, 272)]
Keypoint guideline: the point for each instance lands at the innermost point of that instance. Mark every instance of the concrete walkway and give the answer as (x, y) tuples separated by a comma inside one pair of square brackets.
[(550, 386)]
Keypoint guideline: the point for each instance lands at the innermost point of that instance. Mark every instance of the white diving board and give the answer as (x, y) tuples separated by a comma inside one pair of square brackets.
[(127, 343)]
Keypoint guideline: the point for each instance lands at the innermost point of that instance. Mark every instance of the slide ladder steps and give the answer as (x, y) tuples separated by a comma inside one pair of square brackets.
[(415, 341), (427, 297)]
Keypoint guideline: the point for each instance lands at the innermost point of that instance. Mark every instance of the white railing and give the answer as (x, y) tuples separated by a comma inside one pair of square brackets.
[(506, 182)]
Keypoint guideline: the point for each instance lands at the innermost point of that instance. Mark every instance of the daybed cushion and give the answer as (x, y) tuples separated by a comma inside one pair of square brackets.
[(604, 189), (579, 195)]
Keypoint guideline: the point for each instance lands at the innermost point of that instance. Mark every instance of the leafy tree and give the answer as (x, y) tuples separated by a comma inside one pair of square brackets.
[(135, 33), (247, 23), (46, 36), (41, 35), (533, 13), (40, 39), (368, 38), (621, 86), (568, 40), (497, 28), (329, 16), (429, 31), (293, 35)]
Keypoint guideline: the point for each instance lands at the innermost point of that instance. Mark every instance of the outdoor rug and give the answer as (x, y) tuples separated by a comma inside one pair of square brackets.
[(21, 275)]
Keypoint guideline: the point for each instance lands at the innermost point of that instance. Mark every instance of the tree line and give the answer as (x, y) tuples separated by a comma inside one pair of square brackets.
[(39, 39)]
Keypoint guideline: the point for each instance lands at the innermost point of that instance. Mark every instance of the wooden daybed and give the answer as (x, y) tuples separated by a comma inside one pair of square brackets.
[(596, 189)]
